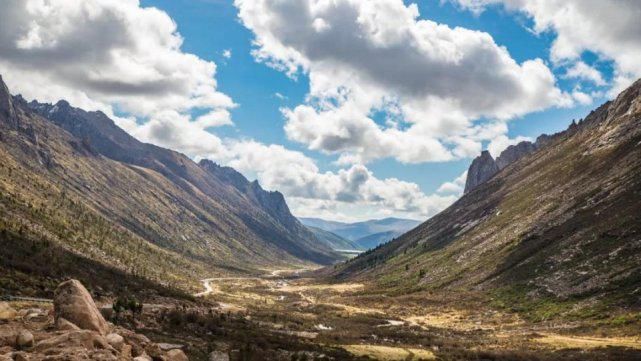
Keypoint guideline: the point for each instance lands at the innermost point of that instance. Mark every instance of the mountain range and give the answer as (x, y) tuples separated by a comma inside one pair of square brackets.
[(557, 220), (366, 234), (73, 181)]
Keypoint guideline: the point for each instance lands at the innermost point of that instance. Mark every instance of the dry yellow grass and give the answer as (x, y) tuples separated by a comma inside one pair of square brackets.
[(561, 342), (338, 288), (388, 353)]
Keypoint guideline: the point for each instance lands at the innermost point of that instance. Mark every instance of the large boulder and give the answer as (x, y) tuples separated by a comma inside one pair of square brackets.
[(73, 302), (85, 339), (176, 355), (7, 312), (116, 341), (64, 325), (24, 339)]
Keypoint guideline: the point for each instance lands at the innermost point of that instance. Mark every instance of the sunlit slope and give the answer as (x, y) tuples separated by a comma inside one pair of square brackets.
[(563, 222), (84, 185)]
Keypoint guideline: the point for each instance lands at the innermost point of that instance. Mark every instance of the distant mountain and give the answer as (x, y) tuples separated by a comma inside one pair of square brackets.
[(386, 228), (373, 240), (73, 180), (558, 224), (334, 241)]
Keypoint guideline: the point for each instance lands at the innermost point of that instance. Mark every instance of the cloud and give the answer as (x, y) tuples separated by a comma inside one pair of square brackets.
[(455, 187), (384, 83), (121, 58), (610, 29), (227, 53), (106, 55), (313, 192), (498, 144), (583, 71)]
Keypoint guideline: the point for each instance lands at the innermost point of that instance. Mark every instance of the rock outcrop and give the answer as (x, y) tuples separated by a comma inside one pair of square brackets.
[(482, 168), (48, 339), (7, 110), (515, 152), (73, 302), (7, 312)]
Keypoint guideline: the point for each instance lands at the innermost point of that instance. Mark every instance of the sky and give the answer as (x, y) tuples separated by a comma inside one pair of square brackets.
[(353, 109)]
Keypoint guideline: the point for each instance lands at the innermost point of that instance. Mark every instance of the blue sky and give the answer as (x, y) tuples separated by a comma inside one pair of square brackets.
[(353, 109), (210, 27)]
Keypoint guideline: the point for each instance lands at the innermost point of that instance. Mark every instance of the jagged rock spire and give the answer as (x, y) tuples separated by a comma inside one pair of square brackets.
[(7, 110), (482, 168)]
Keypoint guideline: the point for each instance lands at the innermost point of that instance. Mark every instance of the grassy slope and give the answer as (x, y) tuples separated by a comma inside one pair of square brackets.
[(57, 190), (557, 229)]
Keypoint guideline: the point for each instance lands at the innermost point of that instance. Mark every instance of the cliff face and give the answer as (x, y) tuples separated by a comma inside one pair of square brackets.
[(7, 110), (482, 168), (515, 152), (271, 202)]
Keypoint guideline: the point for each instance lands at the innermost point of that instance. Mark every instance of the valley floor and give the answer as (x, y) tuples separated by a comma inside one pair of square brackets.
[(285, 315)]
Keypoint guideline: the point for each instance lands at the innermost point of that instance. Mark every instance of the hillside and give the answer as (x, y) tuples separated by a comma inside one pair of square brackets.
[(333, 240), (378, 230), (560, 223), (72, 180)]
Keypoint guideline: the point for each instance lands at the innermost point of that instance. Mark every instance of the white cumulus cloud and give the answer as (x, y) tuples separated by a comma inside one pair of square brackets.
[(106, 55), (384, 83), (608, 28)]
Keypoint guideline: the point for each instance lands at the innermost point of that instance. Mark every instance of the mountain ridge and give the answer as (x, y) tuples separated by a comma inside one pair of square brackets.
[(63, 166), (356, 231), (560, 223)]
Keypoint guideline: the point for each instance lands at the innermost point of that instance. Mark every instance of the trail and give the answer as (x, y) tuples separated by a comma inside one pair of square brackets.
[(211, 288)]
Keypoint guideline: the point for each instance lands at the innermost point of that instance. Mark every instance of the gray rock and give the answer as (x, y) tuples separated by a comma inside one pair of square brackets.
[(116, 341), (482, 168), (24, 339), (218, 356), (515, 152), (63, 324), (7, 110), (176, 355), (73, 302), (7, 312), (170, 346)]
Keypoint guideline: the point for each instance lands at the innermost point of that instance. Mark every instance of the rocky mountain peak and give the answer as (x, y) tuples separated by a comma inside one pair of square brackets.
[(7, 110), (227, 175), (515, 152), (482, 168), (628, 102)]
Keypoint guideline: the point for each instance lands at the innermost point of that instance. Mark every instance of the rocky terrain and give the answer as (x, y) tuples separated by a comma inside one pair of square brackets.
[(73, 329), (556, 233)]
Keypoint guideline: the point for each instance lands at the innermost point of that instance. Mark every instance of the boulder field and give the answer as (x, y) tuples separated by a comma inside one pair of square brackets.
[(74, 329)]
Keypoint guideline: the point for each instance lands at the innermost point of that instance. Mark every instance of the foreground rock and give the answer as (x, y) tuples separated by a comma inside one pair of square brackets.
[(7, 312), (73, 302), (78, 332), (218, 356), (24, 340)]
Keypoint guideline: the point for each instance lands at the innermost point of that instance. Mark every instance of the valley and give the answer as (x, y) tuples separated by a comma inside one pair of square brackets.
[(290, 313), (365, 183)]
